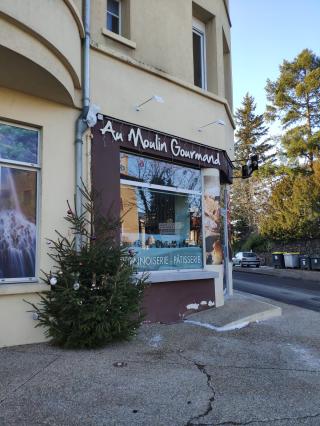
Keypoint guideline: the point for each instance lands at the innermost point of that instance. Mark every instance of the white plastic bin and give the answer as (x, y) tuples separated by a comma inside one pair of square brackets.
[(291, 260)]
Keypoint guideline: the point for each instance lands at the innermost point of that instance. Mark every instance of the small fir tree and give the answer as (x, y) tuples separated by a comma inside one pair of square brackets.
[(95, 295)]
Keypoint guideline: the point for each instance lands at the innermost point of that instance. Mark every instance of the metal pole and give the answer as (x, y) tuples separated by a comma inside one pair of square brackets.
[(81, 125), (229, 285)]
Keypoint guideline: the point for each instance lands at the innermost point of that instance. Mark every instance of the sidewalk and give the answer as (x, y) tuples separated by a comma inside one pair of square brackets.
[(237, 312), (171, 375), (291, 273)]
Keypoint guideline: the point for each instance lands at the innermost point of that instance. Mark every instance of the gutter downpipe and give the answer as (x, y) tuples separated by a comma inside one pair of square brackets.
[(81, 124)]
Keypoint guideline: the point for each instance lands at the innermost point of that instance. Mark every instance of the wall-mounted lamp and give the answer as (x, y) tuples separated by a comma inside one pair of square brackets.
[(156, 98), (220, 122)]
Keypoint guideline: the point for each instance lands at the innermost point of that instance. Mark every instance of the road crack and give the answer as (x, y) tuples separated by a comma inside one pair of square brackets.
[(268, 421), (194, 421), (202, 369), (245, 367), (30, 378)]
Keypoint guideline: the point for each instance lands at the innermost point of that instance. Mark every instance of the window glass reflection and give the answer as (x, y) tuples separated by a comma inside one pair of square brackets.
[(147, 170), (163, 228), (18, 144)]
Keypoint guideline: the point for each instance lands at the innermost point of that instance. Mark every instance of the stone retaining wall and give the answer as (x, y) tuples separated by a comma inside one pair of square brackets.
[(308, 247)]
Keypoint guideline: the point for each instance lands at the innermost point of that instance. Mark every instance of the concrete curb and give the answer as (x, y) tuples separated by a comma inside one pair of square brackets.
[(296, 274), (239, 310), (271, 312)]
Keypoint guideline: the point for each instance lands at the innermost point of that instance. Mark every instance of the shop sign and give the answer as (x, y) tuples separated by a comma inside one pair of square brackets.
[(155, 259), (161, 144)]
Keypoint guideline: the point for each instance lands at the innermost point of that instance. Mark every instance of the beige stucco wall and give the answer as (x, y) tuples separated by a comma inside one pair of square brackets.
[(122, 76), (29, 29), (56, 124), (162, 31), (184, 111), (40, 18)]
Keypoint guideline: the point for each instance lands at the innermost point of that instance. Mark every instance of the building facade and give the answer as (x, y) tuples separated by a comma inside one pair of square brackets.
[(160, 153)]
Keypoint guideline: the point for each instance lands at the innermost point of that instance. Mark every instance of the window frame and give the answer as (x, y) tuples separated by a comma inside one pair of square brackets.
[(159, 187), (199, 29), (116, 16), (26, 166), (168, 188), (171, 190)]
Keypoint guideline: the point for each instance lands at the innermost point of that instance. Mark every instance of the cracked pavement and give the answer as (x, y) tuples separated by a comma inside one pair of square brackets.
[(180, 374)]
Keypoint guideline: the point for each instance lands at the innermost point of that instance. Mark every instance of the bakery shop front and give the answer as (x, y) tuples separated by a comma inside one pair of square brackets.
[(166, 190)]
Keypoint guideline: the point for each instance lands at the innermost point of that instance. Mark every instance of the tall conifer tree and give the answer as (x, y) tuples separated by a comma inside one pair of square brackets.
[(294, 99), (293, 210), (247, 195), (251, 132)]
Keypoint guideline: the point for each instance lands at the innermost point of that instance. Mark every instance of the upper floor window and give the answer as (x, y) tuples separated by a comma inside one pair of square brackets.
[(114, 16), (199, 53)]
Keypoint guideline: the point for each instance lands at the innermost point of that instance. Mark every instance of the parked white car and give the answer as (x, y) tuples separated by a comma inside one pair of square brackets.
[(246, 258)]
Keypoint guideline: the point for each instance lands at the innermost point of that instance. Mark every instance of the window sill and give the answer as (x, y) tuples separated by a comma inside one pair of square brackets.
[(22, 288), (185, 275), (119, 38)]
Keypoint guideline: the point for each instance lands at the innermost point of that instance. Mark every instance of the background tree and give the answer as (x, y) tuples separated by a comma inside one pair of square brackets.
[(293, 210), (294, 99), (250, 132), (248, 195)]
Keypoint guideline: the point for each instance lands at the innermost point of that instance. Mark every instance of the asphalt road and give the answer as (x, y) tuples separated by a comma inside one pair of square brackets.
[(305, 294), (172, 375)]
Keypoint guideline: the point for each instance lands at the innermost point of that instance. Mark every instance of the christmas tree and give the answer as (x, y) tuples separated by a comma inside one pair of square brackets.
[(95, 295)]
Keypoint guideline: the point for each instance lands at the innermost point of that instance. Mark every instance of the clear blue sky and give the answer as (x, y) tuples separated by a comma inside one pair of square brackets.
[(264, 33)]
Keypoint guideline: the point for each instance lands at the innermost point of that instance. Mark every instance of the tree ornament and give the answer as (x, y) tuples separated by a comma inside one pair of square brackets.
[(131, 252), (93, 237), (103, 280), (70, 212), (35, 316), (76, 286), (94, 280), (53, 281)]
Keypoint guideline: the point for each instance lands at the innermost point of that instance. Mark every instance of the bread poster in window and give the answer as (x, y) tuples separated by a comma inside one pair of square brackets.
[(212, 220)]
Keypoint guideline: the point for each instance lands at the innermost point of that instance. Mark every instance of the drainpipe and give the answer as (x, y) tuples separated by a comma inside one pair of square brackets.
[(81, 123)]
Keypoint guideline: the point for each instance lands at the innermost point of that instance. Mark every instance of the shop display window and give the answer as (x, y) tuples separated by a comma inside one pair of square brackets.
[(161, 214), (19, 159)]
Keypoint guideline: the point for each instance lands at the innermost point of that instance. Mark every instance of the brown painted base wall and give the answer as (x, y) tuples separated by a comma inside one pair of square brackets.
[(166, 302)]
